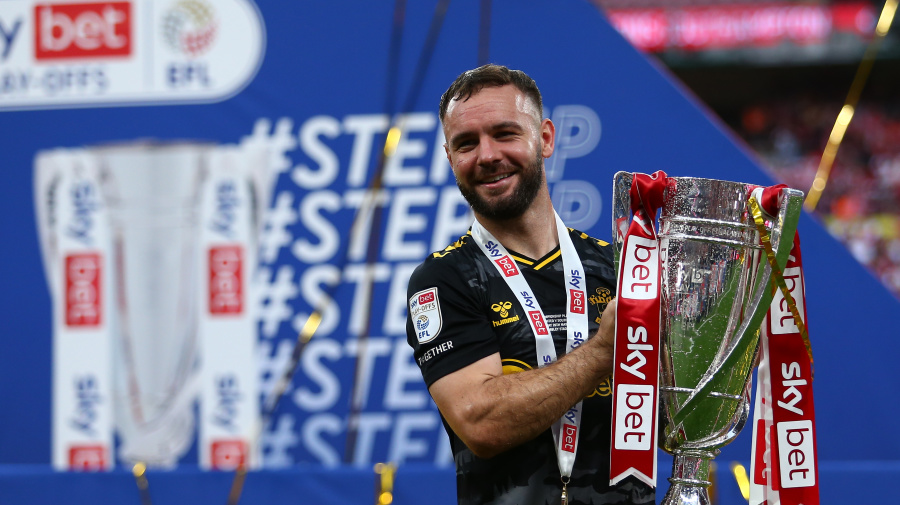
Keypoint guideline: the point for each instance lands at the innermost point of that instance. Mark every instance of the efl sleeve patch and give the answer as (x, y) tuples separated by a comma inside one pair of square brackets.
[(425, 313)]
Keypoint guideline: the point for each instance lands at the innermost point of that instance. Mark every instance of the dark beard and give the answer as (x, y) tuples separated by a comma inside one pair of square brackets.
[(532, 177)]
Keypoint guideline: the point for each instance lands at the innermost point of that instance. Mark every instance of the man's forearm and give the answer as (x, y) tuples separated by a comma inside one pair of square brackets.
[(512, 409)]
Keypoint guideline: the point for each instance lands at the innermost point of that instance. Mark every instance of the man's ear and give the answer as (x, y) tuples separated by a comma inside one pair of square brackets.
[(447, 152), (548, 138)]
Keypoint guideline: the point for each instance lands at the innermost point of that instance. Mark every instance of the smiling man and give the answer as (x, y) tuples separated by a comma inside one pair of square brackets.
[(499, 320)]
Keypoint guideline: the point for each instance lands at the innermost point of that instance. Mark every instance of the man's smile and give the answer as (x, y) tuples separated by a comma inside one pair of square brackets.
[(493, 180)]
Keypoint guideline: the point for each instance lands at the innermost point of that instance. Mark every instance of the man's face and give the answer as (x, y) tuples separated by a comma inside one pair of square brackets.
[(496, 142)]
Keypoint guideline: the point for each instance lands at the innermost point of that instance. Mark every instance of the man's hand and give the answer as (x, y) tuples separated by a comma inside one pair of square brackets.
[(606, 333)]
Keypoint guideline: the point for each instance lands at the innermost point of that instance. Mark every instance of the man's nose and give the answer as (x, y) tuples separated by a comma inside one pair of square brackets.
[(488, 154)]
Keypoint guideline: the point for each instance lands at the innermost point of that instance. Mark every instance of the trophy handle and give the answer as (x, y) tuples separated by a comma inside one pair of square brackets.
[(621, 211), (47, 176), (782, 236)]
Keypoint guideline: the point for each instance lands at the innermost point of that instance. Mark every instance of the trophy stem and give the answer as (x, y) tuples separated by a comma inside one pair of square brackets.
[(690, 477)]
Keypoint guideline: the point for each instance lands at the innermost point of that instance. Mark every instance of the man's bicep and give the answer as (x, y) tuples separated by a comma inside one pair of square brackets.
[(447, 326), (459, 393)]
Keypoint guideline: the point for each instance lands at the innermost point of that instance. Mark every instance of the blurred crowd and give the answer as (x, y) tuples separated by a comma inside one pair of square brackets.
[(861, 202)]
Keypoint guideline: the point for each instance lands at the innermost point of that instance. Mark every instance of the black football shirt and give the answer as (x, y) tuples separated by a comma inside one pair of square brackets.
[(460, 311)]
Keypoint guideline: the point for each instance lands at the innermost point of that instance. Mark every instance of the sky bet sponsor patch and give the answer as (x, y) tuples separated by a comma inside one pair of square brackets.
[(425, 312)]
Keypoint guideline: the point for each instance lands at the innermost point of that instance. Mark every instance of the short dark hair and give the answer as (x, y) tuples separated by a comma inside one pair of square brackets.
[(472, 81)]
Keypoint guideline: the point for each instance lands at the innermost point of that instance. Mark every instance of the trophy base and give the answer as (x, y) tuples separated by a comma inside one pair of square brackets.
[(690, 478), (687, 495)]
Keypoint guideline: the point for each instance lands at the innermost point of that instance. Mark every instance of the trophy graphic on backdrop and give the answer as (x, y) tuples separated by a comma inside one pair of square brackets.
[(714, 291), (153, 199), (149, 251)]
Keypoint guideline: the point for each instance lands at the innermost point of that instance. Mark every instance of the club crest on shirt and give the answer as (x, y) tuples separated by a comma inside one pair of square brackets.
[(600, 299), (604, 389), (425, 313)]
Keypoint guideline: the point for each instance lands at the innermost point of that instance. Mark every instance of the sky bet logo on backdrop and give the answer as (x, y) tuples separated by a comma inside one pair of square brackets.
[(84, 30)]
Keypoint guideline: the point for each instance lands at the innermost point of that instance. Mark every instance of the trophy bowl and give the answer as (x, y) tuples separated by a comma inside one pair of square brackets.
[(153, 194), (715, 290)]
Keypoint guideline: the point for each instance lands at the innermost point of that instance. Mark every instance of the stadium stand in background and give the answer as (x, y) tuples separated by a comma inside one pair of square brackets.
[(777, 73)]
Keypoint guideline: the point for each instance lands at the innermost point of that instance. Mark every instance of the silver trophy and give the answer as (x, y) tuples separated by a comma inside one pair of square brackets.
[(715, 292)]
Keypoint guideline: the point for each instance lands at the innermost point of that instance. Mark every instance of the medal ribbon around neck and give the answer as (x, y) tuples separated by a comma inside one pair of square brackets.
[(567, 429)]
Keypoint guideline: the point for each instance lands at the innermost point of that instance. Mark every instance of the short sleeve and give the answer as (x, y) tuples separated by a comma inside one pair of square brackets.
[(447, 325)]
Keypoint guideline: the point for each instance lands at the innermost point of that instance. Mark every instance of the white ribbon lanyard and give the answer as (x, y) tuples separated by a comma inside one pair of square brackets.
[(565, 430)]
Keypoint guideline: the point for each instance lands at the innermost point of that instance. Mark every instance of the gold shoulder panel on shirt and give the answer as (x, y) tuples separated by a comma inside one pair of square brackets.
[(452, 247), (584, 236)]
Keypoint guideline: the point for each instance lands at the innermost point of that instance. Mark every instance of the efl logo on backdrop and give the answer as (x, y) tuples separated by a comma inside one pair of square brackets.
[(87, 457), (190, 27), (228, 454), (85, 30), (225, 289), (83, 294)]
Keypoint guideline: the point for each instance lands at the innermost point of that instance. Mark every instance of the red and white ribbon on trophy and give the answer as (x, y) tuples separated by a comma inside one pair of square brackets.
[(784, 462), (784, 467), (636, 375)]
